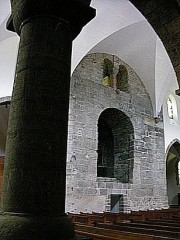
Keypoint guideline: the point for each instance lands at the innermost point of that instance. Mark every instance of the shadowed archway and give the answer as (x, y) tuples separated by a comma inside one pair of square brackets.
[(115, 145), (173, 174)]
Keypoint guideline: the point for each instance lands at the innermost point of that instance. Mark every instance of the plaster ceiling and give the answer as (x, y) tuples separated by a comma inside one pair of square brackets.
[(119, 29)]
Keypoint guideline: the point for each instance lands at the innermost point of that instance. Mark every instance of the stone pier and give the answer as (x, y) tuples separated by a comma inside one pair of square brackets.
[(33, 205)]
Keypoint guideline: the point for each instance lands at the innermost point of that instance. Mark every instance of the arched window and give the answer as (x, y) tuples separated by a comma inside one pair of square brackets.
[(107, 73), (178, 173), (122, 79), (115, 145), (172, 109)]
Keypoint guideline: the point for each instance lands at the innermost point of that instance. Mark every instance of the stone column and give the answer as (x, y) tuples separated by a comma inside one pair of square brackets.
[(33, 205)]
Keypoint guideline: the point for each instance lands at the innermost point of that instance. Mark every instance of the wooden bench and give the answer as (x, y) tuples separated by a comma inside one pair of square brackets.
[(106, 217), (141, 230), (87, 219), (152, 225), (78, 218), (116, 217), (110, 234), (91, 219), (110, 226), (109, 217), (155, 214), (159, 222)]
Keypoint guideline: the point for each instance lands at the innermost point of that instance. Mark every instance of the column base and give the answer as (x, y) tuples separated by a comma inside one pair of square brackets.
[(18, 227)]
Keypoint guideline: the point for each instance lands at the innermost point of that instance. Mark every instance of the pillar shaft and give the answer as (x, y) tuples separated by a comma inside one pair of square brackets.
[(33, 202), (35, 169)]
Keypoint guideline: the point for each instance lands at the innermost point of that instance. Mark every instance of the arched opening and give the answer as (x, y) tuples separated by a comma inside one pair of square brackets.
[(122, 79), (107, 73), (173, 174), (115, 145)]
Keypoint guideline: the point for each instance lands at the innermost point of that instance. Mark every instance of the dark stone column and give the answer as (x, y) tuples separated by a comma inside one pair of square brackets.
[(33, 202)]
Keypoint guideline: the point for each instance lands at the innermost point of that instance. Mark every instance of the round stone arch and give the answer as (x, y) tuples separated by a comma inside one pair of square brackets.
[(173, 172), (115, 145)]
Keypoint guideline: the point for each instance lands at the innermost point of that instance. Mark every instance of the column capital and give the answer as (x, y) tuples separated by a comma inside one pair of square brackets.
[(77, 13)]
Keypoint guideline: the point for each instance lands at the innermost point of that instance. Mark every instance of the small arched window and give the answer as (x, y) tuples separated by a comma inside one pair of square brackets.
[(107, 73), (122, 79), (172, 109)]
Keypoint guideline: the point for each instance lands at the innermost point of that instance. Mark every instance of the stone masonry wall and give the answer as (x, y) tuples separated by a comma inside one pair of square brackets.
[(88, 99)]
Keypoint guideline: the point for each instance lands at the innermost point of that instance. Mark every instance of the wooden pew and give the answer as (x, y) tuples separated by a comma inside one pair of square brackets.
[(97, 224), (91, 219), (110, 217), (135, 216), (116, 217), (166, 213), (110, 234), (152, 225), (162, 222), (140, 230), (155, 214), (79, 218), (86, 218)]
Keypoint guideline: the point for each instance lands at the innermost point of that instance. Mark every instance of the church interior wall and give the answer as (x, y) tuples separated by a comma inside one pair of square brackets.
[(171, 118), (89, 98)]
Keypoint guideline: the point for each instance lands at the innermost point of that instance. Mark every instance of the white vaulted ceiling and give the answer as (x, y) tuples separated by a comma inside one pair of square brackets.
[(118, 29)]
